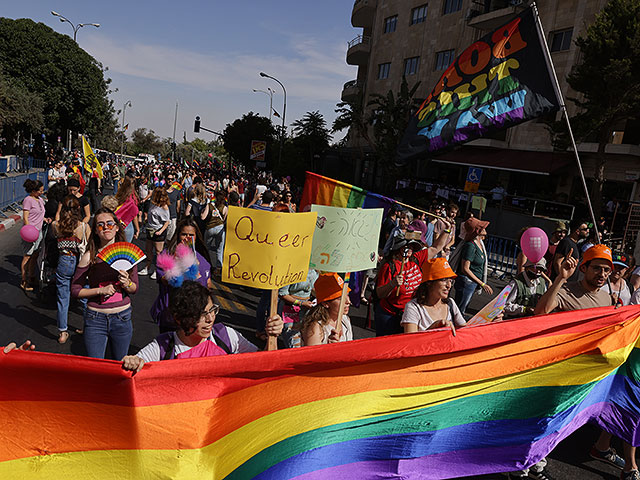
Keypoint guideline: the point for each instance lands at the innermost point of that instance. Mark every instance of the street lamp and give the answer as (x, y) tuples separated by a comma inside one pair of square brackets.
[(75, 27), (124, 109), (270, 93), (284, 112)]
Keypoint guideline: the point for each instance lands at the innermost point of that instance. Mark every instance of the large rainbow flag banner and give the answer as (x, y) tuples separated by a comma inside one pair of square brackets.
[(321, 190), (496, 397)]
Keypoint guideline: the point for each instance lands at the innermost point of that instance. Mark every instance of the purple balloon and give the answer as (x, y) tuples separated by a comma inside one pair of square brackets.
[(29, 233), (534, 243)]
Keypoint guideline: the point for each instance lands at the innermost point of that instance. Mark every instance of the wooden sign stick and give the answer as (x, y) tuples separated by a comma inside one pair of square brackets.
[(404, 261), (272, 342), (343, 301)]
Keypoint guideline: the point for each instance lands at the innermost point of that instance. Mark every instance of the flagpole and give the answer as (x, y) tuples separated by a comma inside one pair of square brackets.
[(563, 108)]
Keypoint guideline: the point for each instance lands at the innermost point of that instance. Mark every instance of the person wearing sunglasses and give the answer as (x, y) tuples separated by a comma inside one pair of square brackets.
[(108, 313), (287, 198), (527, 288), (195, 312)]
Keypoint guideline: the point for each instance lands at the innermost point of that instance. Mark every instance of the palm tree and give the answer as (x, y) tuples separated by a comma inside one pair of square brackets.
[(311, 134)]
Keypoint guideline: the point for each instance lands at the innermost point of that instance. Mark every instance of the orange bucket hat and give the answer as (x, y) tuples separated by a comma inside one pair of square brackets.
[(436, 269), (328, 286), (597, 251)]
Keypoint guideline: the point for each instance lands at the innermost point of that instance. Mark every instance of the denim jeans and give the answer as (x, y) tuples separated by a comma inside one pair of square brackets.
[(128, 232), (386, 323), (100, 327), (214, 237), (64, 273), (115, 186), (465, 288)]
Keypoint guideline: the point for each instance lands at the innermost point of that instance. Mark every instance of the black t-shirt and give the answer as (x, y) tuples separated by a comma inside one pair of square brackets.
[(562, 249), (387, 226), (173, 203)]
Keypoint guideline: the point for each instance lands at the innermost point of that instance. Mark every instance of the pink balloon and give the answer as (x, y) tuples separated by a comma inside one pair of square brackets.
[(29, 233), (534, 243)]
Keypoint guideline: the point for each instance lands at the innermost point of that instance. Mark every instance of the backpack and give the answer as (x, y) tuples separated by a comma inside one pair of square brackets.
[(167, 341)]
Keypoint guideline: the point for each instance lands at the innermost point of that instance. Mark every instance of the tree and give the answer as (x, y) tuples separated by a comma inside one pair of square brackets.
[(311, 136), (19, 108), (238, 135), (608, 79), (352, 115), (70, 82), (390, 118), (144, 141)]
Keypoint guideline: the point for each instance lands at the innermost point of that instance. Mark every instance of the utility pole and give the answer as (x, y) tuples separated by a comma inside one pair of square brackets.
[(175, 121)]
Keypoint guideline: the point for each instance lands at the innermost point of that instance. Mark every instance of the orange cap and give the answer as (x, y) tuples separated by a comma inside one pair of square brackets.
[(597, 251), (436, 269), (328, 286)]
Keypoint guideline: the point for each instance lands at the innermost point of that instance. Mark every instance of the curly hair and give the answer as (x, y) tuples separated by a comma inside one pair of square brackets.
[(69, 216), (159, 197), (318, 314), (187, 304)]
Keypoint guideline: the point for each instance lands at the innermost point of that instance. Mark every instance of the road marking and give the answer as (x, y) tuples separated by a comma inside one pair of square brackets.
[(229, 303)]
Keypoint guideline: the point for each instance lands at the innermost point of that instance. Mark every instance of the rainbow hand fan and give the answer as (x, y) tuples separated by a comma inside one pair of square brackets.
[(122, 255), (176, 186)]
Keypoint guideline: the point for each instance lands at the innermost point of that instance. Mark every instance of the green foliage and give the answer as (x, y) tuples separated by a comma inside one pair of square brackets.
[(19, 108), (311, 137), (352, 115), (390, 118), (144, 141), (70, 82), (238, 135), (608, 81)]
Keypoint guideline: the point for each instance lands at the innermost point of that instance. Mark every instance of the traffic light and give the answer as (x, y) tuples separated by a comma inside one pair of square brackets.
[(196, 125)]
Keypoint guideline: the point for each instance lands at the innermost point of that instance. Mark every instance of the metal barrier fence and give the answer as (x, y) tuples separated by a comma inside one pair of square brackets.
[(502, 253), (12, 192)]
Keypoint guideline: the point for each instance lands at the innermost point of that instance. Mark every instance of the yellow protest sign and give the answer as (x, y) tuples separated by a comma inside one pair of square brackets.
[(91, 162), (267, 250)]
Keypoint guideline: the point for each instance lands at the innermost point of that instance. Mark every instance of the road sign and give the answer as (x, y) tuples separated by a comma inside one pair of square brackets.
[(474, 174)]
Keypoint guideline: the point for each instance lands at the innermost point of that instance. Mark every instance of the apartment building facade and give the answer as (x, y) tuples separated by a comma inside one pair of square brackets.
[(419, 39)]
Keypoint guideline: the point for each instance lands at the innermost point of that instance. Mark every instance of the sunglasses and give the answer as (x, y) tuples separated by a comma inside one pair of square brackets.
[(109, 225)]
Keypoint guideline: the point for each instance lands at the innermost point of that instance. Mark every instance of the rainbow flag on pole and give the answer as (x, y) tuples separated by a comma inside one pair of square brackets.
[(321, 190), (495, 398)]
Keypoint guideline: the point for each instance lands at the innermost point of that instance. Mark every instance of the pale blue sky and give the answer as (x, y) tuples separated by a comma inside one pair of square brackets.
[(207, 55)]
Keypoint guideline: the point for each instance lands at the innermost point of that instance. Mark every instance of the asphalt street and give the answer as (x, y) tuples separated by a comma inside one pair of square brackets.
[(31, 316)]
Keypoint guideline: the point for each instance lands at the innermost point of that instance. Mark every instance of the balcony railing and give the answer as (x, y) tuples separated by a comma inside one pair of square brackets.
[(363, 13), (358, 50), (490, 14), (351, 90)]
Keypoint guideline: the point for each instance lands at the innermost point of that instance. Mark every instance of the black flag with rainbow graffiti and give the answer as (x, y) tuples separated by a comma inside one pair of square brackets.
[(501, 80)]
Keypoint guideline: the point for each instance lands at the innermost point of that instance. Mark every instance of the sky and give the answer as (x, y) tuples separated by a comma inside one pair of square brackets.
[(207, 55)]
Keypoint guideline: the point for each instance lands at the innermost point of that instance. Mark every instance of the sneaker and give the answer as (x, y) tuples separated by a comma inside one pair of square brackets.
[(144, 271), (610, 457), (152, 276), (541, 475), (632, 475)]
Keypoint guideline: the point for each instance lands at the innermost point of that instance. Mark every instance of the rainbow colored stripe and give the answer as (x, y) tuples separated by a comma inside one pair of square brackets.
[(495, 398), (321, 190), (176, 185), (121, 252)]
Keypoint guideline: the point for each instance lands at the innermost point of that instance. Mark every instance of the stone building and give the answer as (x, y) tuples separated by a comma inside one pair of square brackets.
[(420, 38)]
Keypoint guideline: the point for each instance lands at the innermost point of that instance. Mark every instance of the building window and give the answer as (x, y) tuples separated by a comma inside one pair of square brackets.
[(444, 59), (451, 6), (390, 24), (383, 70), (419, 14), (561, 40), (411, 66)]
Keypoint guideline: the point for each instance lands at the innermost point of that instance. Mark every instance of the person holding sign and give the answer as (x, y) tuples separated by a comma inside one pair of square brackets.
[(319, 324), (108, 312), (198, 335), (431, 306), (398, 277)]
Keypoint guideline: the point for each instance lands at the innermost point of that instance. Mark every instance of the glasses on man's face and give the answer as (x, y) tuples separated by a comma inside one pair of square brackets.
[(108, 225), (211, 313)]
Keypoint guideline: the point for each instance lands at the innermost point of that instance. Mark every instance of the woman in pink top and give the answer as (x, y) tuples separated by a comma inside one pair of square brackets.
[(32, 214), (127, 211)]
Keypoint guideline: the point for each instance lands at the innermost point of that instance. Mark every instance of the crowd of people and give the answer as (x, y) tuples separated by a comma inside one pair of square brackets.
[(431, 264)]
